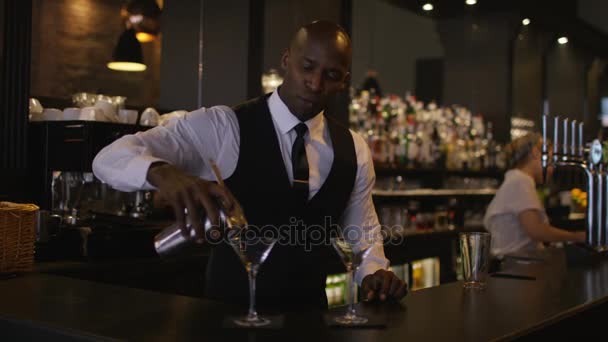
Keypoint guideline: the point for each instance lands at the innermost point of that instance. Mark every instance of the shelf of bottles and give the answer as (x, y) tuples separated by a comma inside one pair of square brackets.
[(404, 133)]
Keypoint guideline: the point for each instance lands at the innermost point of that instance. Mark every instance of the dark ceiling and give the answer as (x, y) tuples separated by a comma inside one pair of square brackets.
[(557, 17), (453, 8)]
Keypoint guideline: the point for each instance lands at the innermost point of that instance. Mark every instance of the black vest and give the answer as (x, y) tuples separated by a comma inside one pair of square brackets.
[(293, 276)]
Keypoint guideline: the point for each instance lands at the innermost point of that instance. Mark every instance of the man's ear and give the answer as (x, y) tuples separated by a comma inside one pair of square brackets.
[(285, 59)]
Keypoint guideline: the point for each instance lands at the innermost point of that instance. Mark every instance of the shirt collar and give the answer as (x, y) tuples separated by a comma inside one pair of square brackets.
[(286, 121)]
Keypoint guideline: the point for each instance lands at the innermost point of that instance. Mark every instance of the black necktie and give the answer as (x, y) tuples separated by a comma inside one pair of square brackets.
[(299, 164)]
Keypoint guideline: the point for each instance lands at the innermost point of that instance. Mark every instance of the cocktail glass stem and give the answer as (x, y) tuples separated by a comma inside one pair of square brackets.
[(351, 292), (252, 272)]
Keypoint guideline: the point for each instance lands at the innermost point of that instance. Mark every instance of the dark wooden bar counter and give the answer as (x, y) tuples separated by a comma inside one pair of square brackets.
[(40, 306)]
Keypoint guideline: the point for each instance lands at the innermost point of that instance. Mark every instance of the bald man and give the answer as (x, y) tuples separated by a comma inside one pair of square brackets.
[(285, 162)]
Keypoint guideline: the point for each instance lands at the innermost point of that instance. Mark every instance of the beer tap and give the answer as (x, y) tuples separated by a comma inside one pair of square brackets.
[(565, 153), (573, 149), (581, 147), (568, 160), (595, 164), (555, 139), (545, 149), (600, 195), (595, 160), (604, 198)]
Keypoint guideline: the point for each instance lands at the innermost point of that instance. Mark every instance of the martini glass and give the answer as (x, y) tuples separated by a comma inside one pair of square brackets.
[(253, 249), (251, 246), (352, 245)]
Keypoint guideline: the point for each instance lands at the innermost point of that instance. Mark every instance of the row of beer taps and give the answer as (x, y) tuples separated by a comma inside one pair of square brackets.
[(571, 152)]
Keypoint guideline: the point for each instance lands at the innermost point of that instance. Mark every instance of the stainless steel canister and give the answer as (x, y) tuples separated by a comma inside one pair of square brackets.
[(173, 240)]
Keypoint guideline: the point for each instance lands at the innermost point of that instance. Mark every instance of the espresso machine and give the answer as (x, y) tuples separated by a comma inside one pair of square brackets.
[(570, 152), (76, 206)]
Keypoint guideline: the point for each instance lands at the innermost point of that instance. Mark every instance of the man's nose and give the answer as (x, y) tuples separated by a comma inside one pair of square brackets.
[(315, 82)]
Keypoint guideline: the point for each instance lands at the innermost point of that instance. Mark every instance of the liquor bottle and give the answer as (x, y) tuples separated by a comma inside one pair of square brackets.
[(392, 146), (403, 146), (438, 150), (491, 148), (452, 208), (412, 147)]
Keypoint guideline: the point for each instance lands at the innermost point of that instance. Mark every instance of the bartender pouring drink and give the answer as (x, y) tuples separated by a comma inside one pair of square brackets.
[(283, 160)]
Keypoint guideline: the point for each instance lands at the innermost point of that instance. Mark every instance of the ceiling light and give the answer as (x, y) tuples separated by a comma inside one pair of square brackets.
[(127, 55), (144, 37), (271, 80), (471, 2), (144, 17), (136, 19), (127, 66), (563, 40), (427, 7), (526, 22)]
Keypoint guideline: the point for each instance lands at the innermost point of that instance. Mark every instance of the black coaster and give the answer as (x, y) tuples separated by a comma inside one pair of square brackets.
[(372, 322), (276, 322)]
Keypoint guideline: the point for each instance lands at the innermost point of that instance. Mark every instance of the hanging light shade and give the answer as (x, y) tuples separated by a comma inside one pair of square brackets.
[(127, 54), (271, 80), (144, 17)]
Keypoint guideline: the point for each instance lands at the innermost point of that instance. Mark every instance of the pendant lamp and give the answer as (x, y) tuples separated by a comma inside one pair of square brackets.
[(127, 55)]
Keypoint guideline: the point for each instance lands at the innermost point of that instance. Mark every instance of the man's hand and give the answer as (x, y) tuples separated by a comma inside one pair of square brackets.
[(383, 285), (181, 190)]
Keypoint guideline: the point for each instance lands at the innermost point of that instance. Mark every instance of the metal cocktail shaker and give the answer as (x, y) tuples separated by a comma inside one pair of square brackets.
[(174, 240)]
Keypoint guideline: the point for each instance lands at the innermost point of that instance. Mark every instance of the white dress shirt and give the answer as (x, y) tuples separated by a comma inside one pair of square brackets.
[(213, 133)]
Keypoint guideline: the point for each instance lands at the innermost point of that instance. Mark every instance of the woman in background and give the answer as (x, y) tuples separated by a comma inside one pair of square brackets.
[(516, 218)]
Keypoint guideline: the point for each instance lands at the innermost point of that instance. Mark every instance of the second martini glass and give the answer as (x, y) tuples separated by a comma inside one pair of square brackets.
[(352, 245)]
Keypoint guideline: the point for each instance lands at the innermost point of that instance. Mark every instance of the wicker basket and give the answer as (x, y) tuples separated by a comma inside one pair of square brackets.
[(17, 236)]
